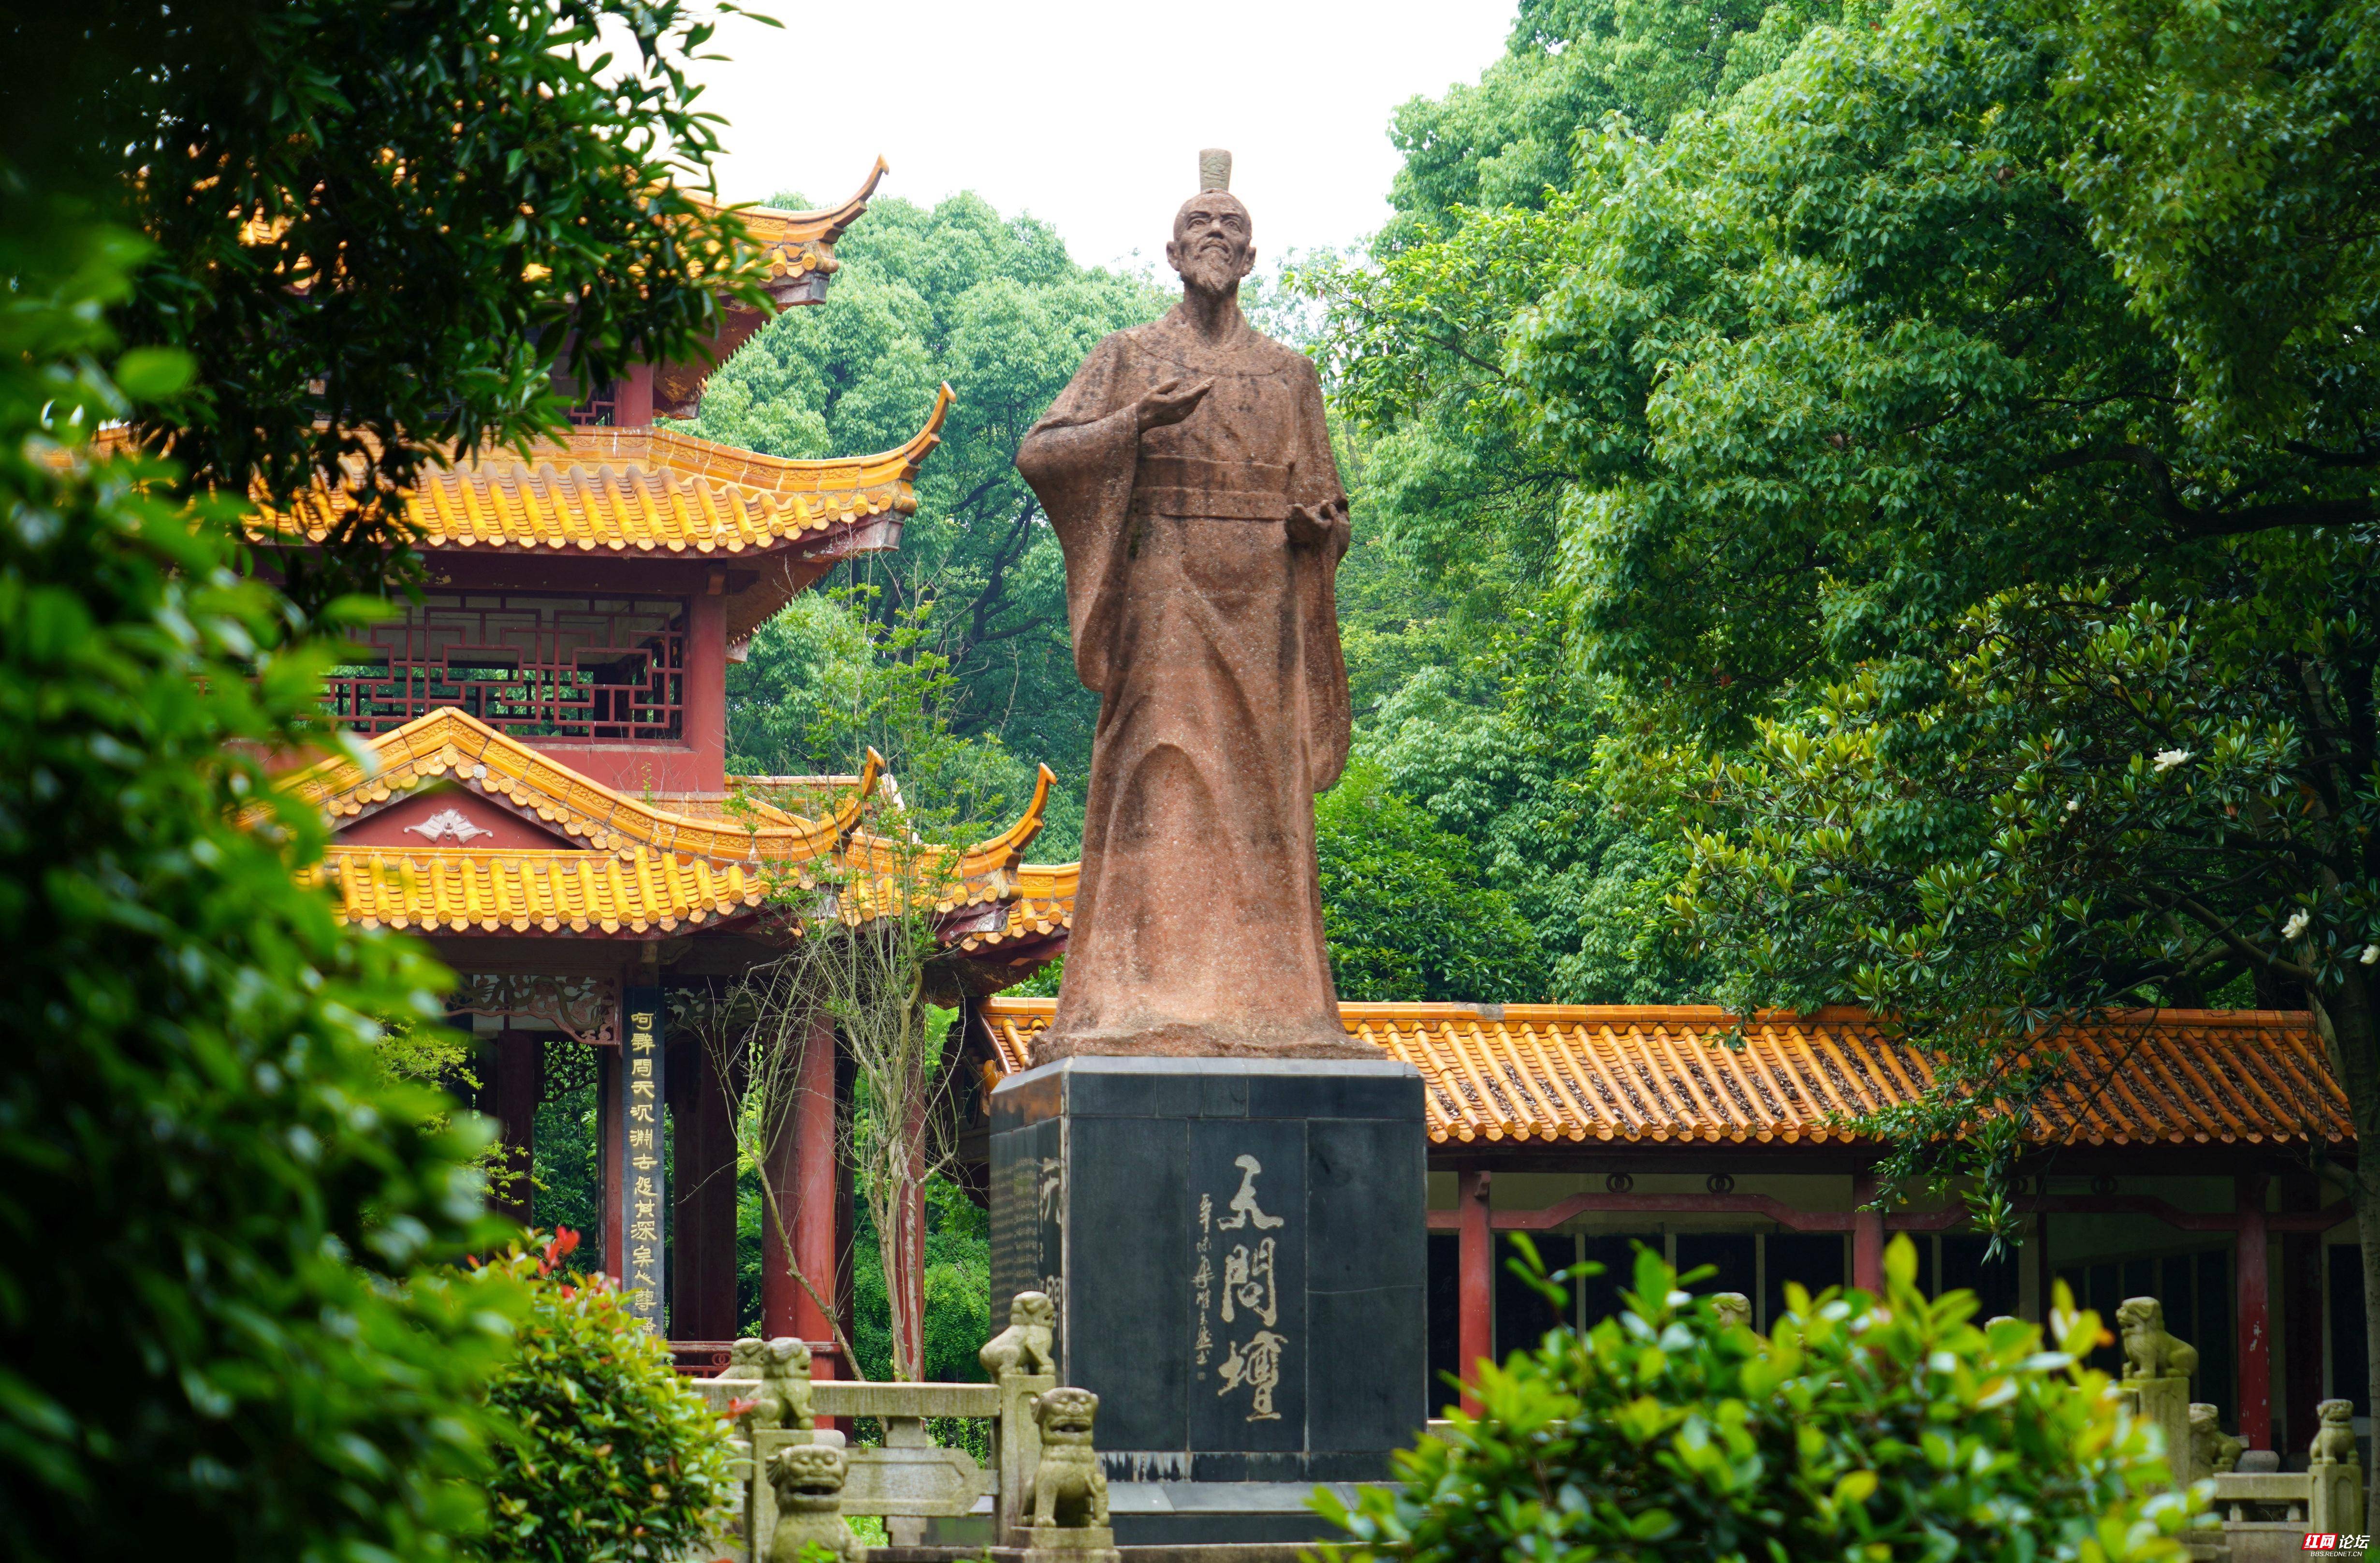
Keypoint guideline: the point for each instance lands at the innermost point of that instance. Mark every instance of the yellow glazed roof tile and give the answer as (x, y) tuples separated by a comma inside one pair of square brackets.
[(796, 243), (641, 868), (1547, 1073), (642, 490)]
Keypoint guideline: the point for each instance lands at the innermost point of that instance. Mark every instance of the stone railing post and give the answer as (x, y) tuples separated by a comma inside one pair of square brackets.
[(2157, 1374), (2336, 1470), (1019, 1360)]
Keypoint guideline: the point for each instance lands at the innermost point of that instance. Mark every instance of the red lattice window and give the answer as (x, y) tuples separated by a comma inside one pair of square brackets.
[(598, 408), (604, 669)]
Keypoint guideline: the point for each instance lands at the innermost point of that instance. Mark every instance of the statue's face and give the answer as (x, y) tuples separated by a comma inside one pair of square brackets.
[(1214, 244)]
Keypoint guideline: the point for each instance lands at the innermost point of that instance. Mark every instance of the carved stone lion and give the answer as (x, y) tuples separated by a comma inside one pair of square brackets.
[(743, 1362), (779, 1372), (1734, 1308), (2211, 1449), (1024, 1346), (2334, 1441), (808, 1479), (2149, 1352), (1068, 1489), (787, 1373)]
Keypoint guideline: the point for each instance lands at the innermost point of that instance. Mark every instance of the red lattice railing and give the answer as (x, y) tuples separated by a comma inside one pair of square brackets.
[(536, 666)]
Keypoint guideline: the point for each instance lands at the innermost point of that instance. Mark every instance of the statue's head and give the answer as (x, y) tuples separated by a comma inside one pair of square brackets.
[(2203, 1417), (1065, 1415), (787, 1354), (1031, 1308), (2141, 1314), (744, 1357), (1214, 239), (2336, 1413)]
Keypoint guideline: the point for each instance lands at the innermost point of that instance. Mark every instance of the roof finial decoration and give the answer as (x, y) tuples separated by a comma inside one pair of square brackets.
[(1214, 169)]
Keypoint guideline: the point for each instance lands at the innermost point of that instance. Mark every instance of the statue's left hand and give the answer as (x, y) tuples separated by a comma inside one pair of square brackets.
[(1314, 526)]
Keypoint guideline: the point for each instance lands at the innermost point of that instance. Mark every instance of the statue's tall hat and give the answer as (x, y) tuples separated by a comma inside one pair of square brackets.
[(1214, 169)]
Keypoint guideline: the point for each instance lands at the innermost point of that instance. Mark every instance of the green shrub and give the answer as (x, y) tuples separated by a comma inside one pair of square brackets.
[(613, 1455), (210, 1194), (1858, 1430)]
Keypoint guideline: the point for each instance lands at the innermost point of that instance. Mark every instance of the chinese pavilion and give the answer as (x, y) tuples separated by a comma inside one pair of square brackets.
[(543, 796)]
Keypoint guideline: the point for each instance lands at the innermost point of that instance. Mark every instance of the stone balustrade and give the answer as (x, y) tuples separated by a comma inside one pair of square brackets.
[(909, 1479)]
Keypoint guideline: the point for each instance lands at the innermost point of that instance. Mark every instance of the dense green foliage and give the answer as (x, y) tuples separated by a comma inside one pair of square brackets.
[(1453, 598), (211, 1190), (1954, 443), (994, 307), (958, 1290), (1858, 1429), (222, 1326), (377, 227), (1404, 910), (612, 1456)]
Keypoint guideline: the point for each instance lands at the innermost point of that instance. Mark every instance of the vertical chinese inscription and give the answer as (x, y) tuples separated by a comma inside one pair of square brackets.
[(642, 1169), (1244, 1310)]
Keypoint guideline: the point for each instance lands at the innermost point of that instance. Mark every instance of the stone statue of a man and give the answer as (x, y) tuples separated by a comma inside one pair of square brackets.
[(1187, 472)]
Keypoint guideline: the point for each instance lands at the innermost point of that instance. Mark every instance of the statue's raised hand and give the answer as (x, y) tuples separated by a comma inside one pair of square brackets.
[(1171, 403), (1313, 526)]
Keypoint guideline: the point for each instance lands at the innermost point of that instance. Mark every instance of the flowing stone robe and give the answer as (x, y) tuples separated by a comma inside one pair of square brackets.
[(1213, 643)]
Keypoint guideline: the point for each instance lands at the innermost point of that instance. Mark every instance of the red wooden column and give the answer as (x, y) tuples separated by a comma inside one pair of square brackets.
[(704, 685), (1475, 1333), (1867, 1236), (519, 1085), (702, 1250), (801, 1168), (632, 397), (2300, 1289), (2255, 1315)]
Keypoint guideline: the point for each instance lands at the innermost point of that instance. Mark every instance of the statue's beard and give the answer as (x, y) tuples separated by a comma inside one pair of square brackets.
[(1210, 272)]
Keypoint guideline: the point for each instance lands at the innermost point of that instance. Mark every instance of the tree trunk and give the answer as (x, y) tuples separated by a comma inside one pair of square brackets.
[(2350, 1030), (902, 1243)]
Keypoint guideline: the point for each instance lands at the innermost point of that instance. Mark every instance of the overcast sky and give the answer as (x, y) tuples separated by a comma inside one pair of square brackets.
[(1089, 114)]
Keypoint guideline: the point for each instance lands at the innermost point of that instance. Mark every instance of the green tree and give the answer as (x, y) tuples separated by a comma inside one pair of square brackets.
[(367, 231), (377, 228), (1405, 912), (1453, 594), (994, 307), (614, 1455), (1970, 425), (213, 1191)]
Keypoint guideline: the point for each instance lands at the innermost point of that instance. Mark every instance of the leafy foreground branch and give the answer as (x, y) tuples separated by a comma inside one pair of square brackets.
[(1863, 1427), (211, 1194)]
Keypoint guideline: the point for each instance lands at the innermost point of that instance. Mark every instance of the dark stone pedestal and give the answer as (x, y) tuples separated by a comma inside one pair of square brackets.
[(1238, 1253)]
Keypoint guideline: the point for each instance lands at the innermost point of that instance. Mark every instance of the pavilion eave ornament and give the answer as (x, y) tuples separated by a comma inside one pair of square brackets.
[(585, 1009)]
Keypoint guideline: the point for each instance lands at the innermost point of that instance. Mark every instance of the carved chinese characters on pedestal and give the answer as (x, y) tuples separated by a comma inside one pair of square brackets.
[(1242, 1313)]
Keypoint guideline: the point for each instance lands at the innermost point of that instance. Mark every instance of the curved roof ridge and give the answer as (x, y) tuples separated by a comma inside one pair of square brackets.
[(487, 760), (776, 230), (643, 487)]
